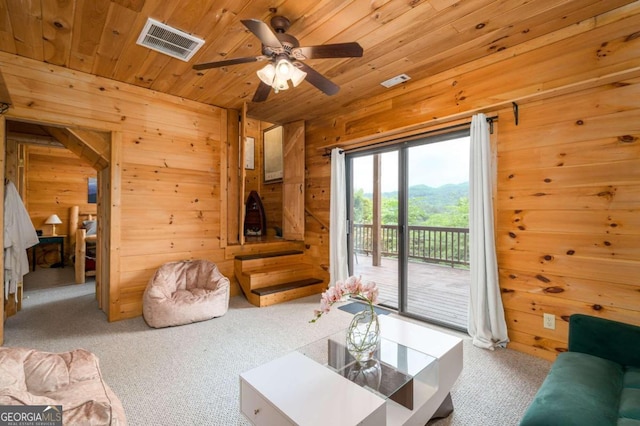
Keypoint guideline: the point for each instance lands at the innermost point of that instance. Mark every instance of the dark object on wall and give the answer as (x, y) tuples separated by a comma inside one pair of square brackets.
[(255, 221), (39, 232), (92, 191)]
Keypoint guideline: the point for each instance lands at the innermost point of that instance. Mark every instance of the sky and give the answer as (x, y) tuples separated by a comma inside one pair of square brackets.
[(434, 164)]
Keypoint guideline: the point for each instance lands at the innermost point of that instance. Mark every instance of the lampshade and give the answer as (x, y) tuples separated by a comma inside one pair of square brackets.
[(53, 220), (284, 68), (297, 76), (267, 74)]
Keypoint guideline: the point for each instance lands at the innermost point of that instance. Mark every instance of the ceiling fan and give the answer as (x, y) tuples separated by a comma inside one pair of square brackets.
[(284, 54)]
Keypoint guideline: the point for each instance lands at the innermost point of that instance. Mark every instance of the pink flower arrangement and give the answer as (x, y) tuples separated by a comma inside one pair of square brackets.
[(353, 286)]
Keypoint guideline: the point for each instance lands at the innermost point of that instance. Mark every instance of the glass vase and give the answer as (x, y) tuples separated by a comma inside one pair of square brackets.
[(363, 335), (366, 374)]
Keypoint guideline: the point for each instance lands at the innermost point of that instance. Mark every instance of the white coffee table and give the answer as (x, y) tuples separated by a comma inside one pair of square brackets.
[(297, 389)]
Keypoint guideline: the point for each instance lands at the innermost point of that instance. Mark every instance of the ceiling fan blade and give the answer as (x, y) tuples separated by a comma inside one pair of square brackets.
[(219, 64), (321, 82), (262, 92), (338, 50), (262, 31)]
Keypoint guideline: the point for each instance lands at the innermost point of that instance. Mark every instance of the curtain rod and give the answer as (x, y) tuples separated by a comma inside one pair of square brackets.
[(490, 120)]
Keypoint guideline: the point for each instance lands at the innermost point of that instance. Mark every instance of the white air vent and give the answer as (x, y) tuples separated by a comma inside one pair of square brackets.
[(395, 80), (164, 39)]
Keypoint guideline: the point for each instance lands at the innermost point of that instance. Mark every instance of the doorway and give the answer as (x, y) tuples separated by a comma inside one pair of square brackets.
[(51, 192), (408, 211)]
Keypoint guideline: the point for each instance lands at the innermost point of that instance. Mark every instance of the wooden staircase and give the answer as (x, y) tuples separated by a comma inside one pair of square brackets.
[(276, 277)]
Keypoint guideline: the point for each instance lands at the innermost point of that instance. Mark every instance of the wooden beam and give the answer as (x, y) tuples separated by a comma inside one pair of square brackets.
[(33, 139), (79, 147), (232, 175), (98, 142)]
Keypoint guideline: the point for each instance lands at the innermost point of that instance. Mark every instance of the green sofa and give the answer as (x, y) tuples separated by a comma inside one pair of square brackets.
[(597, 382)]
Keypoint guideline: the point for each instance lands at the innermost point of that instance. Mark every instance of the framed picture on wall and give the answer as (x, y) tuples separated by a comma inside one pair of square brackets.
[(272, 139), (249, 153), (92, 192)]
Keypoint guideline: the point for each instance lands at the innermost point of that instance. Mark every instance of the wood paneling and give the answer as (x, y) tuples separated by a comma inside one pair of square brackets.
[(56, 180), (293, 181), (568, 187), (567, 174), (419, 38), (164, 179)]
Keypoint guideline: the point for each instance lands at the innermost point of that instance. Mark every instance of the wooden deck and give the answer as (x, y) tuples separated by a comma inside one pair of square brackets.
[(438, 293)]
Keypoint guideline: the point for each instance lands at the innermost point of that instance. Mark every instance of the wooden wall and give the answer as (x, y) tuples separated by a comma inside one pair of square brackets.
[(165, 170), (568, 209), (56, 180), (568, 189)]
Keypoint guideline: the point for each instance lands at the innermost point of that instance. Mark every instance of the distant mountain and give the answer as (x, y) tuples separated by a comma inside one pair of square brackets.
[(437, 198)]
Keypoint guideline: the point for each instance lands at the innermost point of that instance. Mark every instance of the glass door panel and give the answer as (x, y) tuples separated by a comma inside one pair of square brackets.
[(438, 231), (374, 223)]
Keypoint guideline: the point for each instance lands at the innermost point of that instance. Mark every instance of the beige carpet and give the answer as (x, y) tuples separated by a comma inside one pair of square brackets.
[(43, 278), (189, 374)]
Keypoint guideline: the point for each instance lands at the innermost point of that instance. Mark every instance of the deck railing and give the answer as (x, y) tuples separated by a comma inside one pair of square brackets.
[(426, 243)]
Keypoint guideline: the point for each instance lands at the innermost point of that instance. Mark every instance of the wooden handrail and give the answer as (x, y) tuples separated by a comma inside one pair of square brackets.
[(448, 245), (320, 221)]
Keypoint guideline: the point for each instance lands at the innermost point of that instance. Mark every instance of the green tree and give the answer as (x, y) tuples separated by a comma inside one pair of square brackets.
[(362, 208), (389, 211), (456, 216)]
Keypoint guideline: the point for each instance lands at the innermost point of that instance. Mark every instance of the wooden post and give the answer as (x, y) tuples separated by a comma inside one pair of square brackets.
[(376, 229)]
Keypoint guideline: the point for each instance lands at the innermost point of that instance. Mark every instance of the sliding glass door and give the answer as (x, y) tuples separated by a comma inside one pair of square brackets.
[(374, 212), (408, 215)]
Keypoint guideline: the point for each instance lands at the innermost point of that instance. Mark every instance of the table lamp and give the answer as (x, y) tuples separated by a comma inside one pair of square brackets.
[(53, 220)]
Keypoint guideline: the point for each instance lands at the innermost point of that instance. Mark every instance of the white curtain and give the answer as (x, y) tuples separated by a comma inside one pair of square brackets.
[(338, 256), (487, 325)]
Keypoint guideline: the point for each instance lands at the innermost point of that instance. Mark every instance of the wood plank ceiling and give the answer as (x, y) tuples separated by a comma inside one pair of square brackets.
[(418, 37)]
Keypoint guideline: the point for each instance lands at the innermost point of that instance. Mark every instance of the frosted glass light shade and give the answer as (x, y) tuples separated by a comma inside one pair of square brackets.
[(284, 69), (267, 74), (297, 76)]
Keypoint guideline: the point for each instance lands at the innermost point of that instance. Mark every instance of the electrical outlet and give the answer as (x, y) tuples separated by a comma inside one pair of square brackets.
[(549, 321)]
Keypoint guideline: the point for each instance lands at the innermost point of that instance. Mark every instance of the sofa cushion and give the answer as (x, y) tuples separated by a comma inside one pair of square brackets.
[(630, 397), (580, 389), (628, 422), (632, 377), (71, 379)]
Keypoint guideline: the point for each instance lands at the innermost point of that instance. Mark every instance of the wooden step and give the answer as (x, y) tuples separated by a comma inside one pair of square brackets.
[(244, 263), (280, 293), (277, 276), (267, 255), (263, 291)]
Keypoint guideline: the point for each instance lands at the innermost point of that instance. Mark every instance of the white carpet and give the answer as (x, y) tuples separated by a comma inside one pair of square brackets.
[(189, 374)]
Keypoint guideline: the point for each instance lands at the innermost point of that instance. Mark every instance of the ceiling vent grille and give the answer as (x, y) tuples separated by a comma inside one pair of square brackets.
[(170, 41)]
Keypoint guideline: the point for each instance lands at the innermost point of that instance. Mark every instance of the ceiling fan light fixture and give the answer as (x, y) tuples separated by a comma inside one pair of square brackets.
[(267, 74)]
